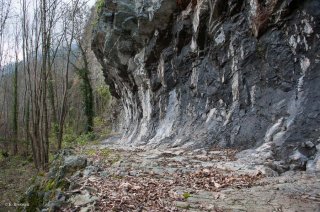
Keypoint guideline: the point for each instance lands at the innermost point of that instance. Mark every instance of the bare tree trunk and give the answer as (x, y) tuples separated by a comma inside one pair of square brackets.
[(15, 109), (64, 100), (45, 50)]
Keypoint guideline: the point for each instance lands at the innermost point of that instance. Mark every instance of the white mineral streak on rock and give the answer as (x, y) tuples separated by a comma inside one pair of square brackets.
[(193, 44), (194, 77), (161, 71), (195, 25), (234, 107), (306, 46), (274, 129), (123, 58), (207, 103), (147, 105), (140, 70), (187, 11), (253, 92), (146, 112), (300, 84), (147, 6), (196, 17), (220, 38), (293, 43), (234, 67), (127, 111), (212, 112), (235, 86), (242, 52), (307, 27), (165, 127), (253, 6), (304, 64), (231, 50), (130, 116), (297, 155)]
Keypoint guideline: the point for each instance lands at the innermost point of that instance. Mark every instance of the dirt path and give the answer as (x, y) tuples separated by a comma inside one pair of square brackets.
[(179, 180)]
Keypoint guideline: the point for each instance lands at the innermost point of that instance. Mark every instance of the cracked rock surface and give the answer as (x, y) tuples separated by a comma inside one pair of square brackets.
[(189, 180)]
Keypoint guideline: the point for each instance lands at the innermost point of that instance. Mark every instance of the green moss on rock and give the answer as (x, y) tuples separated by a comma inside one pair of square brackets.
[(42, 193)]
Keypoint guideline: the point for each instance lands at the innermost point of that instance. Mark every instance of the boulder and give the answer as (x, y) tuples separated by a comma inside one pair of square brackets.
[(313, 166), (82, 199), (74, 163)]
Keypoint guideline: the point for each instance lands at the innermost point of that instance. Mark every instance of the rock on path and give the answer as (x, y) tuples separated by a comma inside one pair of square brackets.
[(132, 179)]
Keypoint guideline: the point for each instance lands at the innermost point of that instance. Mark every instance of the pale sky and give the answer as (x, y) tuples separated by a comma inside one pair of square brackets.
[(9, 54)]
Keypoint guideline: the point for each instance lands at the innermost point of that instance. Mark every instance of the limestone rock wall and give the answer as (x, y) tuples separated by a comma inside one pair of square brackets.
[(236, 73)]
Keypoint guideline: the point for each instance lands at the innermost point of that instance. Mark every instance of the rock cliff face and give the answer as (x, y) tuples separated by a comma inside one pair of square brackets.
[(237, 73)]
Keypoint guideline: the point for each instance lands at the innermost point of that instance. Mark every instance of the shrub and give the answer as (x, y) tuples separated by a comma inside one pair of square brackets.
[(101, 127), (99, 5), (70, 139), (186, 195), (85, 138)]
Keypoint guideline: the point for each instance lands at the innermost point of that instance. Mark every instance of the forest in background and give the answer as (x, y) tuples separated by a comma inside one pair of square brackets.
[(52, 89)]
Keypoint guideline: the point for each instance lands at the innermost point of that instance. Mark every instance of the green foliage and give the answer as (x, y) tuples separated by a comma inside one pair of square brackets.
[(99, 122), (34, 199), (104, 92), (51, 184), (105, 152), (70, 139), (87, 95), (33, 179), (101, 127), (41, 174), (104, 96), (186, 195), (85, 138), (62, 184), (90, 152), (51, 157), (53, 136), (99, 5), (101, 131), (69, 136)]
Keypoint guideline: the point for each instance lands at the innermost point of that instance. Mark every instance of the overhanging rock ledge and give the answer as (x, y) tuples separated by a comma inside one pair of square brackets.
[(201, 73)]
